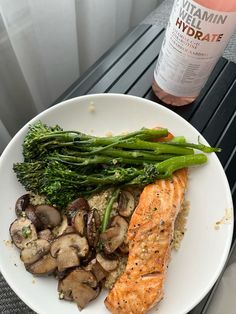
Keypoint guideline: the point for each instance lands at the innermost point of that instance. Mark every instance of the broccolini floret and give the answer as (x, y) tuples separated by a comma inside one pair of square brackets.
[(63, 165)]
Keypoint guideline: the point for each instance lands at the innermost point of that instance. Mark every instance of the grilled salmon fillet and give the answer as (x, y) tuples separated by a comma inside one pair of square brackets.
[(150, 234)]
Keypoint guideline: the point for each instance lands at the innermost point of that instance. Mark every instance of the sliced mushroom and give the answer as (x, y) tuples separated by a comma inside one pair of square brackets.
[(106, 263), (78, 204), (21, 204), (79, 221), (93, 224), (89, 257), (68, 249), (80, 286), (67, 258), (61, 274), (69, 229), (22, 232), (44, 266), (126, 203), (113, 237), (48, 215), (46, 234), (59, 230), (97, 270), (124, 248), (31, 215), (34, 251)]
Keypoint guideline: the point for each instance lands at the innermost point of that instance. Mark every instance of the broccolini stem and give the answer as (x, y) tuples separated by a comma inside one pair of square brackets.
[(167, 167), (108, 209), (178, 139), (115, 152), (111, 157), (137, 144), (202, 147), (95, 160), (71, 136), (158, 148)]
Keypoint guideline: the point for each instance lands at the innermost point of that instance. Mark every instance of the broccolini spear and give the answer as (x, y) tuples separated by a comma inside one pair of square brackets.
[(62, 165), (180, 141), (41, 139), (61, 184)]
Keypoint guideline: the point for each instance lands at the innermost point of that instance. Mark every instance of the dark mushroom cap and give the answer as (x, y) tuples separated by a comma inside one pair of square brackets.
[(79, 204), (31, 215), (93, 224), (22, 232), (113, 237), (79, 286), (48, 215), (126, 203), (90, 256), (21, 204), (34, 251), (68, 248), (44, 266)]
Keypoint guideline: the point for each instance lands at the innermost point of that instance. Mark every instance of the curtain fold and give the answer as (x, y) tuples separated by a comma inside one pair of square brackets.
[(46, 44)]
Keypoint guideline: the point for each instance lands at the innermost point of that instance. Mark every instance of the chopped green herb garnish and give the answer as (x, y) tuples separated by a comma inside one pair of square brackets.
[(26, 231)]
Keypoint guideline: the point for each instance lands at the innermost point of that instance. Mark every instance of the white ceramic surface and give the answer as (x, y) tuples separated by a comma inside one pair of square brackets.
[(193, 269)]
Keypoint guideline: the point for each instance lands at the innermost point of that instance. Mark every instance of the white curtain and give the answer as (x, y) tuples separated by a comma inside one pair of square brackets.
[(46, 44)]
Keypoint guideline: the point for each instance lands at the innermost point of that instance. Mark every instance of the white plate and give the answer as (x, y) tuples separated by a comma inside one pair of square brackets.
[(193, 269)]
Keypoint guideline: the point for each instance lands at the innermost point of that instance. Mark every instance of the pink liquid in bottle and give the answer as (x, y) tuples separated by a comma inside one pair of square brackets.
[(197, 34)]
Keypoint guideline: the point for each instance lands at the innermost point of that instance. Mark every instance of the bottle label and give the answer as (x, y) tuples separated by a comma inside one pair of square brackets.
[(195, 39)]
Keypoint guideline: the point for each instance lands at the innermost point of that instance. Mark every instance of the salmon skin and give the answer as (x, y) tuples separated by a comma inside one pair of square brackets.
[(150, 235)]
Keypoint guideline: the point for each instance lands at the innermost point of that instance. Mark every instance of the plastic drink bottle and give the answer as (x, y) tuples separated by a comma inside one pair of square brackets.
[(197, 34)]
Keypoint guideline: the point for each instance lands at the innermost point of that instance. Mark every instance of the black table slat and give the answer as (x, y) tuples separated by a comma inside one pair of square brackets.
[(230, 169), (142, 85), (126, 61), (135, 71), (227, 141), (234, 198), (217, 92), (199, 308), (95, 72), (234, 202), (221, 116)]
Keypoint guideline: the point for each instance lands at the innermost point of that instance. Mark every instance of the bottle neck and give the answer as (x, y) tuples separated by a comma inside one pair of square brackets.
[(218, 5)]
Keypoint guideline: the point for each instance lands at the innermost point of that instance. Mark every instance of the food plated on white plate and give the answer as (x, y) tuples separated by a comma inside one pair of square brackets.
[(104, 212)]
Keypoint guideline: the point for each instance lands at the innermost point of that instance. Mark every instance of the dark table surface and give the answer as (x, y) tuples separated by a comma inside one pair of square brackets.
[(128, 68)]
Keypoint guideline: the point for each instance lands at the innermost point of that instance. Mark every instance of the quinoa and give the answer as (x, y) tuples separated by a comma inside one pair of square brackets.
[(115, 274), (180, 225), (100, 200), (36, 199)]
